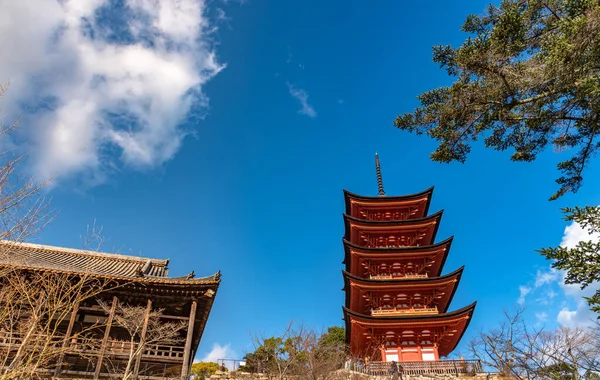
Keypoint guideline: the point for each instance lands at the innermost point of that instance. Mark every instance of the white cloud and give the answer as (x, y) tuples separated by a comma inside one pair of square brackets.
[(542, 278), (302, 97), (219, 352), (541, 316), (547, 298), (104, 85), (550, 284), (580, 315), (524, 291), (574, 233)]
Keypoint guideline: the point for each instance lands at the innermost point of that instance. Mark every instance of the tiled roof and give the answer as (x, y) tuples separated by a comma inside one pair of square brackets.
[(46, 257)]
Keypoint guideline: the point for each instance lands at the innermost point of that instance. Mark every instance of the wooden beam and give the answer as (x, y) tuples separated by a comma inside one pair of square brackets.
[(111, 316), (185, 369), (138, 360), (67, 337), (164, 316), (98, 309)]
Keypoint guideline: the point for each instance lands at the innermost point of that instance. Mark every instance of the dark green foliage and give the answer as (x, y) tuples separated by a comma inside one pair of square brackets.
[(526, 77), (581, 263), (334, 337), (263, 359)]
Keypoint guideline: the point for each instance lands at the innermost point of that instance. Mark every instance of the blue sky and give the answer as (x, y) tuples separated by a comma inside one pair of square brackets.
[(221, 134)]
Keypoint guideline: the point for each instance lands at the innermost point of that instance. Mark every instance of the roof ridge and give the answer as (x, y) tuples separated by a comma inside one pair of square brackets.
[(212, 279), (83, 252), (427, 191)]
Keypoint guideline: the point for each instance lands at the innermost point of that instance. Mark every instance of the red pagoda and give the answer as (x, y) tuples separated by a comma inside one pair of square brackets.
[(396, 298)]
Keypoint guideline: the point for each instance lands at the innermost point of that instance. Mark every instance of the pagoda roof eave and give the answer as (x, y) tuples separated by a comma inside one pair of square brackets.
[(437, 217), (423, 248), (431, 247), (386, 198), (466, 311), (451, 297), (472, 310), (456, 275), (409, 281)]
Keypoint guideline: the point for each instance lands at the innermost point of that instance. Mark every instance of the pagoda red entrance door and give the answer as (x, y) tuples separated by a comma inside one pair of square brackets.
[(409, 353)]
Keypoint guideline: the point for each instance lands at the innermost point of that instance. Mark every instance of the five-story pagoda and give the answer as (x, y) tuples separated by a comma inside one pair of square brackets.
[(396, 298)]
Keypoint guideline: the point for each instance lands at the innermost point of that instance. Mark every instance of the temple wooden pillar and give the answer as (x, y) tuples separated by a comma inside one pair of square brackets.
[(187, 353), (67, 337), (111, 316), (138, 360)]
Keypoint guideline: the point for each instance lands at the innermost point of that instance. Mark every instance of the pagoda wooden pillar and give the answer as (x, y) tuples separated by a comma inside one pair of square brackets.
[(187, 352), (67, 337), (138, 360), (111, 316)]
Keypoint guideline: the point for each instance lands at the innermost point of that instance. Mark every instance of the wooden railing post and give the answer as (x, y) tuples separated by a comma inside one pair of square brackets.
[(188, 343), (138, 360), (111, 315), (67, 337)]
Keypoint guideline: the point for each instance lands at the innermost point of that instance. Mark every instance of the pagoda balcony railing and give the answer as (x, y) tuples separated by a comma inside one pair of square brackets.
[(91, 345), (400, 311), (396, 277), (437, 367), (397, 214)]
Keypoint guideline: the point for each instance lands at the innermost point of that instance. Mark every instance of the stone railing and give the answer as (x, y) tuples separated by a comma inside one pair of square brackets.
[(433, 367)]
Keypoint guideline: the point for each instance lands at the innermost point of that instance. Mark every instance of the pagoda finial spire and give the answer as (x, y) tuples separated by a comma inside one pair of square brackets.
[(379, 178)]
